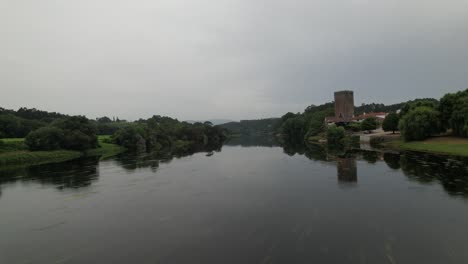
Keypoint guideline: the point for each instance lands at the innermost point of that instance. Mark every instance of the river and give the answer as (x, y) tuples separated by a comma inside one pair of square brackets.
[(247, 203)]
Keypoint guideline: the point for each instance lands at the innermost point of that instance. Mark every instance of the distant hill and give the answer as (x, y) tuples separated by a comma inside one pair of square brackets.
[(258, 127), (213, 121)]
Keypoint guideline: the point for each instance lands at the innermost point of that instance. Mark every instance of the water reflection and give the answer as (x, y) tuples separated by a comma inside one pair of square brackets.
[(252, 141), (66, 175), (346, 169), (83, 172), (133, 161), (243, 205), (451, 173), (392, 160)]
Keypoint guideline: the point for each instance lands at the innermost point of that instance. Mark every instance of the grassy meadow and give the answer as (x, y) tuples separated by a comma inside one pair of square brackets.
[(440, 145), (13, 152)]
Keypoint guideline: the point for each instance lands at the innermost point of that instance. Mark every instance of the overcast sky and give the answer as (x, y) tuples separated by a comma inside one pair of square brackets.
[(234, 59)]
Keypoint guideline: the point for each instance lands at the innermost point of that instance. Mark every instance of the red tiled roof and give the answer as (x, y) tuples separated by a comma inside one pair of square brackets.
[(332, 119), (368, 115)]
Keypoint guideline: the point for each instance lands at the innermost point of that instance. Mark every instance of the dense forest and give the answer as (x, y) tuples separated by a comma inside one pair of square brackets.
[(260, 127), (19, 123), (46, 131)]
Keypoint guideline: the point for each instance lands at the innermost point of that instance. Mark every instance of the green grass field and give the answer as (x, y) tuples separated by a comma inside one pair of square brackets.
[(19, 157), (442, 145), (13, 152), (13, 140), (106, 149)]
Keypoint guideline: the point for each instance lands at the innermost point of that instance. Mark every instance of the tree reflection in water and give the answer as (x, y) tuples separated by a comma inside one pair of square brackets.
[(66, 175), (346, 169), (450, 172), (83, 172)]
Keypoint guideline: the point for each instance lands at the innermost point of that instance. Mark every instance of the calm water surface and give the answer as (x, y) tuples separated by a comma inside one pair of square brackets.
[(241, 205)]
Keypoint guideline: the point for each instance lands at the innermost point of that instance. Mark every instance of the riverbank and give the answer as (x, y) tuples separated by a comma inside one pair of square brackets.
[(13, 152), (438, 145)]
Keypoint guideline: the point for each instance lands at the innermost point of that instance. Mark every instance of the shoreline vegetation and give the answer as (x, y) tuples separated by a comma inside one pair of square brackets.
[(14, 153), (444, 145), (31, 137), (438, 126)]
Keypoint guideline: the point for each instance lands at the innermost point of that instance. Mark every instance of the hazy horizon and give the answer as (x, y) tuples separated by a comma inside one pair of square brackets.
[(228, 59)]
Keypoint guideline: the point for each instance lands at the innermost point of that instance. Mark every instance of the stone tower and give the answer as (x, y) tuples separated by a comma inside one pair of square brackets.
[(344, 106)]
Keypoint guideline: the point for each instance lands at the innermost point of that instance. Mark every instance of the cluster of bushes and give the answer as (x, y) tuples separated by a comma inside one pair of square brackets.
[(158, 133), (422, 119), (72, 133), (336, 136), (295, 129), (369, 124)]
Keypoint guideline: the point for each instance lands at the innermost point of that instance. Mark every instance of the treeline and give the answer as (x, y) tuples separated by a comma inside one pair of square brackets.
[(165, 133), (374, 108), (417, 119), (72, 133), (19, 123), (294, 129), (253, 128), (52, 131), (420, 120)]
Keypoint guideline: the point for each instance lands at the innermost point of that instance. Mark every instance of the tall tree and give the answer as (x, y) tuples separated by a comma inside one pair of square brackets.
[(420, 123), (369, 124), (390, 122)]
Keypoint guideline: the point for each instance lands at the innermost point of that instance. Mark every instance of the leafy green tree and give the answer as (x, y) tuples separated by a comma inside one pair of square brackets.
[(130, 137), (294, 130), (287, 116), (447, 103), (355, 127), (13, 126), (80, 133), (454, 112), (315, 123), (103, 119), (459, 117), (336, 136), (431, 103), (420, 123), (369, 124), (45, 138), (390, 122)]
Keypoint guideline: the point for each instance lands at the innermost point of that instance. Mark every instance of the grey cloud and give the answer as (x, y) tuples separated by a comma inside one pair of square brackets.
[(226, 59)]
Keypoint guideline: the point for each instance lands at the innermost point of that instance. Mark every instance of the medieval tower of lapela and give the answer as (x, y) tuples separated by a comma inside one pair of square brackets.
[(344, 106)]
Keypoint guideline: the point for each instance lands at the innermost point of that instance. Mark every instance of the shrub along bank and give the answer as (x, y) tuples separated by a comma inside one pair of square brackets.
[(15, 153)]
